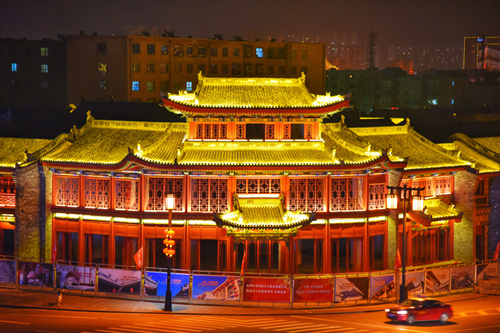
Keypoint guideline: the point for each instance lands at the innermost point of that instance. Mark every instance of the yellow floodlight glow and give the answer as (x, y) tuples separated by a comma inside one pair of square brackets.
[(67, 216), (201, 222), (322, 221), (96, 218), (348, 220), (377, 219), (123, 219), (160, 221)]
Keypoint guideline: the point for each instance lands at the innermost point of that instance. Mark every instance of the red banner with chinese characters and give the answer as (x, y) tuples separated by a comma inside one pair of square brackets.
[(266, 290), (313, 290)]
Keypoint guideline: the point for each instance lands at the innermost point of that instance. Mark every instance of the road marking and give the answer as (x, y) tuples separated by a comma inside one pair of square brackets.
[(187, 329), (14, 322), (340, 329), (290, 323), (204, 323), (311, 328), (482, 312)]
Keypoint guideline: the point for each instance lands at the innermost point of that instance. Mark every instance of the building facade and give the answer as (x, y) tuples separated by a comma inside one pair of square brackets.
[(482, 52), (253, 170)]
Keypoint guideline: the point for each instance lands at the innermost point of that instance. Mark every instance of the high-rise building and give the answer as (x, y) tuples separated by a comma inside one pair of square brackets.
[(482, 53), (426, 57)]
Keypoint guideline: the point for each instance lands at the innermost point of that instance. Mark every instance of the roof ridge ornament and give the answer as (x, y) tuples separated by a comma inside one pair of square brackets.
[(90, 118)]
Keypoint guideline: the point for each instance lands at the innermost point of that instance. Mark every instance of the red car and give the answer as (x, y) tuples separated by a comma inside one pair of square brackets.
[(420, 309)]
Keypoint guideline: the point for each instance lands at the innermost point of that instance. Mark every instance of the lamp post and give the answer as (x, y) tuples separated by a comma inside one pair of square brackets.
[(418, 205), (169, 249)]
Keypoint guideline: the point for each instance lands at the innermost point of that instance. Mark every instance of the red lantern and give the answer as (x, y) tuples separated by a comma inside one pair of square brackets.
[(169, 242)]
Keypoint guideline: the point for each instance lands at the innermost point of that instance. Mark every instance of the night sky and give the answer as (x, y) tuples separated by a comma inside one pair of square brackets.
[(403, 21)]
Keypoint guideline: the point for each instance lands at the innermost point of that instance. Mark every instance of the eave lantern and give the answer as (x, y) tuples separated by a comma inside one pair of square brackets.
[(392, 200), (418, 203)]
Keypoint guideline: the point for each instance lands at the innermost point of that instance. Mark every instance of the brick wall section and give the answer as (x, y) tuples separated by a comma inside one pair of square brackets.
[(394, 178), (464, 196), (494, 223), (46, 200)]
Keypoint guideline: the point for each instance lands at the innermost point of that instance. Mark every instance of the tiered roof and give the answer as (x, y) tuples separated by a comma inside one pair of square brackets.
[(15, 150), (482, 153)]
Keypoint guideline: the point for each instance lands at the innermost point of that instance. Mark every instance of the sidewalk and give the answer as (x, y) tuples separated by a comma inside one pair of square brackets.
[(47, 300)]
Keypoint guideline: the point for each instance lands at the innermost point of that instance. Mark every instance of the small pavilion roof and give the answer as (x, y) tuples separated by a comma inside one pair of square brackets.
[(435, 210)]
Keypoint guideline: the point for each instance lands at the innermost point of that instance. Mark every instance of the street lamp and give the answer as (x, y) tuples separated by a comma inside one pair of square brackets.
[(169, 249), (418, 205)]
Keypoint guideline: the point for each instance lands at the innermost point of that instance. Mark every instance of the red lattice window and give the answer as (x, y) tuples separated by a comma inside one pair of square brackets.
[(97, 192), (306, 194), (270, 130), (347, 194), (240, 131), (211, 131), (287, 131), (258, 185), (67, 191), (208, 195), (309, 131), (127, 194), (7, 192), (199, 131), (443, 185), (377, 197), (157, 189), (426, 184)]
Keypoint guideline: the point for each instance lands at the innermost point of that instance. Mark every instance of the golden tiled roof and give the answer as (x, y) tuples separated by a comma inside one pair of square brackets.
[(13, 150), (479, 152), (435, 209), (491, 143)]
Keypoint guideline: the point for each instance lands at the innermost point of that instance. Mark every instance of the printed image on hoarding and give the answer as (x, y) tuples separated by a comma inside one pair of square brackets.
[(221, 288), (35, 274), (351, 289), (487, 271), (8, 271), (382, 287), (266, 290), (155, 284), (312, 290), (462, 277), (414, 283), (437, 280), (75, 277), (119, 281)]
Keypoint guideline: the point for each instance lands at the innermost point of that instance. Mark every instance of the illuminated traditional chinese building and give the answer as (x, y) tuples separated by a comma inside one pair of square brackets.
[(253, 168)]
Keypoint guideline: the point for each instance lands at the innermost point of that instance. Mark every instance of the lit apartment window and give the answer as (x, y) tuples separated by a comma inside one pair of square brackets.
[(136, 48), (236, 51), (150, 67), (189, 68), (136, 67), (135, 86), (201, 51), (45, 68), (164, 67), (189, 50), (44, 51), (213, 51), (101, 48), (102, 85), (151, 49), (178, 50), (14, 67), (224, 51), (164, 49), (150, 86), (304, 54), (189, 86), (259, 52)]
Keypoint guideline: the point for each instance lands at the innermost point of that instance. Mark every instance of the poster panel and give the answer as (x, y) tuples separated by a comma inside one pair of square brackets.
[(7, 271), (212, 287), (119, 281), (351, 289), (313, 290), (266, 290), (462, 277), (487, 272), (437, 280), (414, 283), (382, 287), (155, 284), (75, 277), (35, 274)]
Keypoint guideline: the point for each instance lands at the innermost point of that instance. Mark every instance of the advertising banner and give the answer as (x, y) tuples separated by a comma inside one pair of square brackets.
[(351, 289), (462, 277), (414, 283), (487, 272), (437, 280), (266, 290), (155, 284), (75, 277), (7, 271), (119, 281), (382, 287), (313, 290), (35, 274), (212, 287)]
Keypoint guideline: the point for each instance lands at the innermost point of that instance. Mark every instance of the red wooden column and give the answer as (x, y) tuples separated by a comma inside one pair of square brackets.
[(366, 248), (409, 245)]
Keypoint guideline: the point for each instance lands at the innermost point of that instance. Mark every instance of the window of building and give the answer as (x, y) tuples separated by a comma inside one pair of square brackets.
[(211, 131), (97, 192), (178, 68), (7, 192), (102, 85), (270, 69), (376, 197), (177, 86), (224, 52), (236, 51), (201, 68), (213, 69), (164, 86), (281, 53), (347, 254), (303, 69), (236, 69), (45, 68), (136, 48), (293, 70), (164, 49), (304, 54), (208, 194), (294, 54), (189, 50), (189, 86), (67, 245), (151, 48), (159, 187), (150, 85), (225, 69), (270, 52), (307, 194), (213, 51), (102, 68), (150, 67), (127, 194), (201, 51), (189, 68), (249, 69), (14, 67), (164, 67), (259, 52), (261, 69), (310, 258), (101, 48), (443, 186), (258, 185), (135, 85), (178, 50), (67, 191), (248, 51), (136, 67), (346, 194), (281, 70), (44, 51)]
